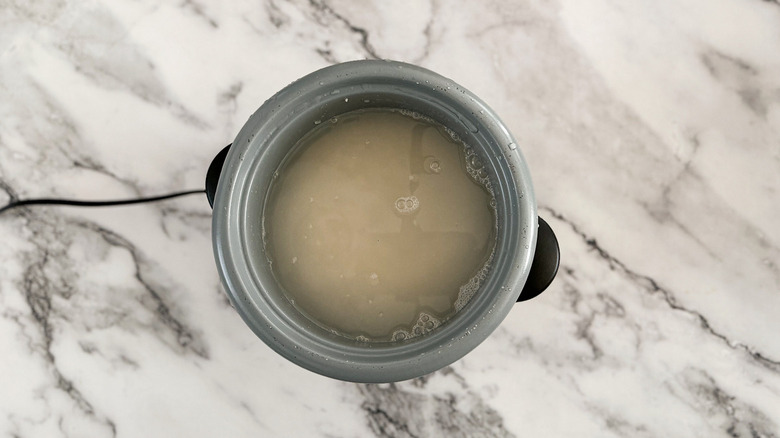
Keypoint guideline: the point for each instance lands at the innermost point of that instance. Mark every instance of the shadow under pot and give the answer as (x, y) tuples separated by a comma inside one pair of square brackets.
[(524, 261)]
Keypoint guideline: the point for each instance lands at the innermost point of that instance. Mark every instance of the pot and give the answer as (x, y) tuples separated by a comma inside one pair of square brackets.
[(526, 255)]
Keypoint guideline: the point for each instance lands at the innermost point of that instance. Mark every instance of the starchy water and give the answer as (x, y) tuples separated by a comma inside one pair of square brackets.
[(381, 226)]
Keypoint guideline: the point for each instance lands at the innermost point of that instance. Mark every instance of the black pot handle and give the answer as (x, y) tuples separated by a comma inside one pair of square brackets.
[(545, 265), (212, 175)]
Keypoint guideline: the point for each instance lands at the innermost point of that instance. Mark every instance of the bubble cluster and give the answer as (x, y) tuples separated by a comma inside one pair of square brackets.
[(467, 291), (425, 324), (407, 204), (476, 169), (479, 174), (413, 114), (453, 135)]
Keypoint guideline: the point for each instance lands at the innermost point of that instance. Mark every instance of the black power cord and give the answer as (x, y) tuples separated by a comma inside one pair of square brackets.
[(78, 203)]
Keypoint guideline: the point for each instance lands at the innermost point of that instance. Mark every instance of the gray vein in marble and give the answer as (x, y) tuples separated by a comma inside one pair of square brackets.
[(737, 418), (742, 77), (200, 11), (395, 411), (326, 10), (38, 290), (652, 286), (620, 426), (198, 220), (101, 52), (38, 286), (228, 97), (732, 414), (59, 125), (326, 54), (121, 360), (70, 144), (428, 33), (12, 196), (605, 306), (583, 332), (185, 337), (275, 15), (251, 413), (663, 210), (50, 273)]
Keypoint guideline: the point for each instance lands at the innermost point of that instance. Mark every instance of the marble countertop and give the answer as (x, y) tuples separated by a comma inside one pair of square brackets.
[(652, 130)]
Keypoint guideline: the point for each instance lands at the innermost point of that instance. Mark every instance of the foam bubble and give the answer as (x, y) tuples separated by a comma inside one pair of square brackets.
[(407, 204), (431, 164), (400, 335)]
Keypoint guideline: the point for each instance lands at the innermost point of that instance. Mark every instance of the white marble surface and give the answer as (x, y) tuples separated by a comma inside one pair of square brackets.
[(652, 129)]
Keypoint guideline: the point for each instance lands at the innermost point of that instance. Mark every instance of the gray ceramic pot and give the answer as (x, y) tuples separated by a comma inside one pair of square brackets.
[(240, 176)]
